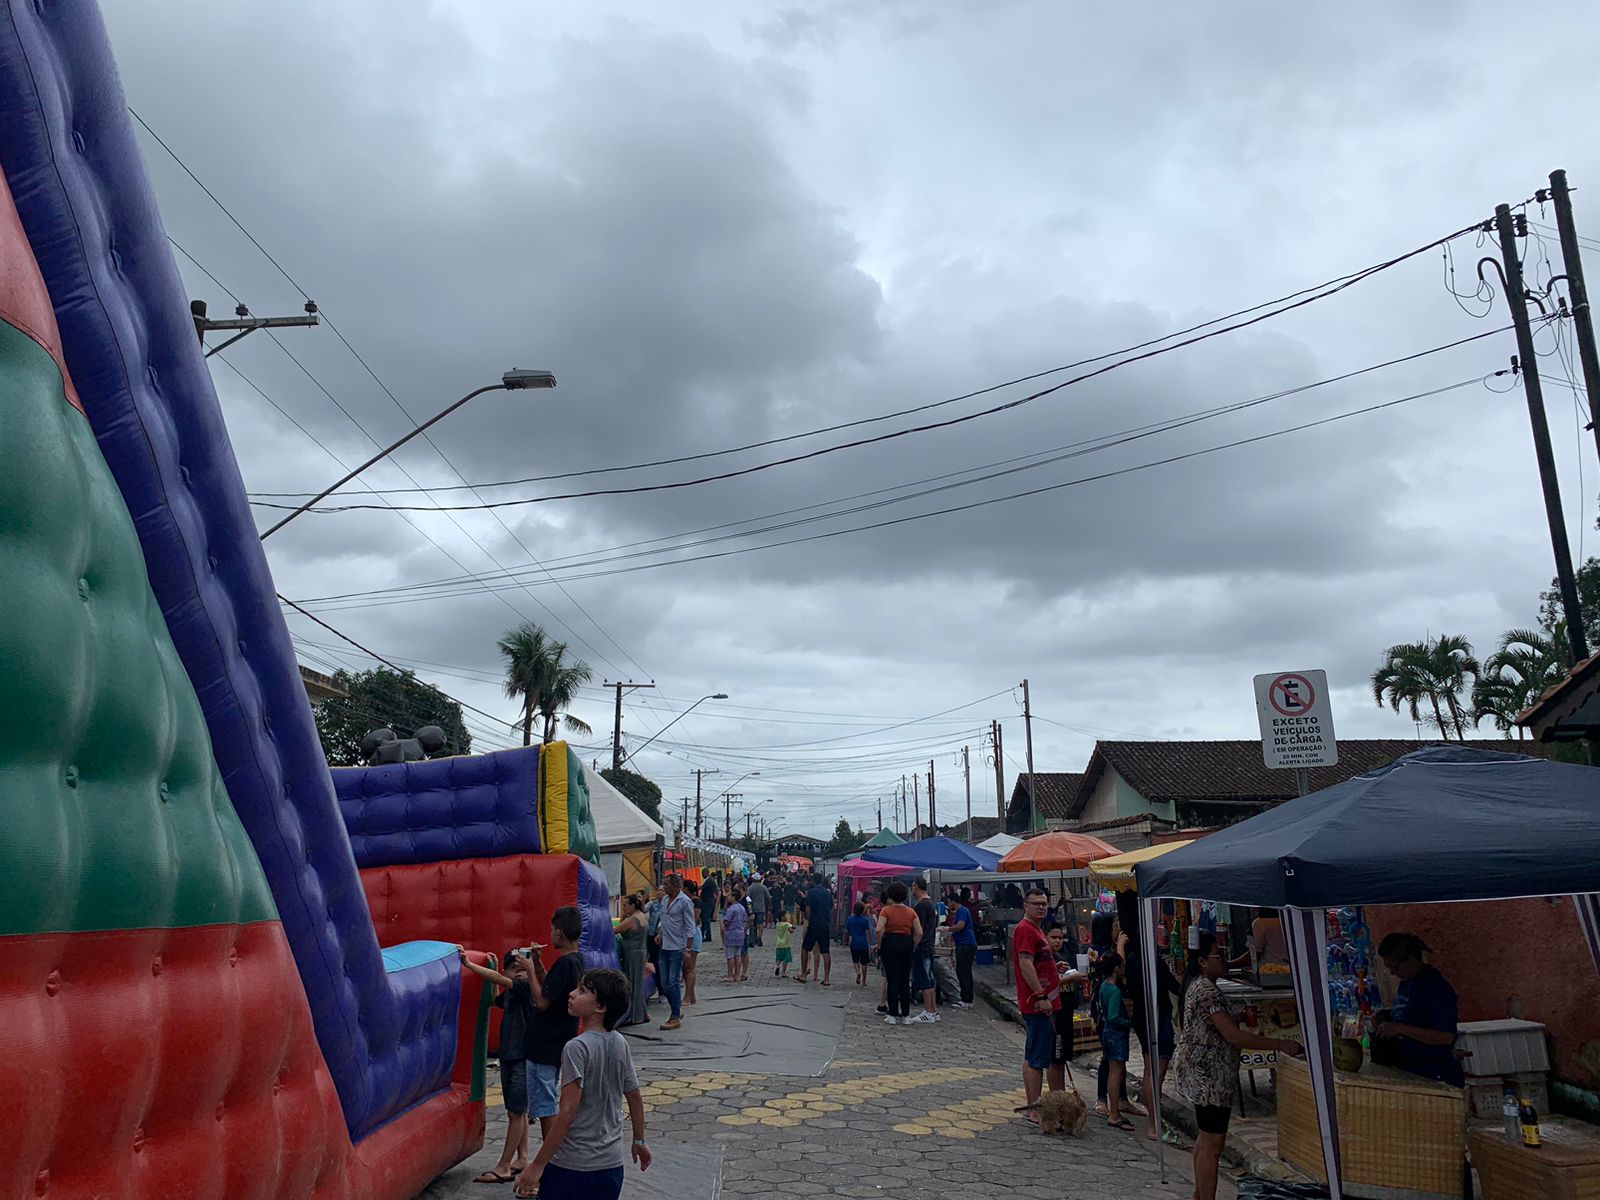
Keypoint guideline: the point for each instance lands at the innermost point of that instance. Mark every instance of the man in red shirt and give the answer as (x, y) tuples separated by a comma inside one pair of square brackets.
[(1033, 964)]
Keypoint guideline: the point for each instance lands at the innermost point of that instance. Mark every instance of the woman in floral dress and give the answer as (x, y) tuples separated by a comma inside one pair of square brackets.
[(1206, 1067)]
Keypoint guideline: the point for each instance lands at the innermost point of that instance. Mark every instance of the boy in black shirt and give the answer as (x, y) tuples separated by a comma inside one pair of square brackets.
[(516, 1001), (552, 1027)]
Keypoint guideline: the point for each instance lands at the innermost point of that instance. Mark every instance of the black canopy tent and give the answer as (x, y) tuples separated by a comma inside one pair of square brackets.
[(1442, 824)]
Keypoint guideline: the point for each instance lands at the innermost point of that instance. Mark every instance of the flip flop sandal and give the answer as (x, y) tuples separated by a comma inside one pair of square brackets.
[(493, 1176), (1125, 1125)]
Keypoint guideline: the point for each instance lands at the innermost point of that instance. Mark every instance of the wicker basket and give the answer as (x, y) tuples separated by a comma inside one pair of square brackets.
[(1566, 1167), (1399, 1135)]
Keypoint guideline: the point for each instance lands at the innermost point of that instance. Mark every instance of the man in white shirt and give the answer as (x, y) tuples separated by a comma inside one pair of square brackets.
[(676, 932)]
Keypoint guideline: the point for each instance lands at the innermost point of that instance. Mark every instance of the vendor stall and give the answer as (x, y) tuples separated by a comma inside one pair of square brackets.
[(1443, 824), (1056, 851), (943, 852)]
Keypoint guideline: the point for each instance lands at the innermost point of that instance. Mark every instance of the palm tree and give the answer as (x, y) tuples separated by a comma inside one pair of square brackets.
[(1435, 670), (538, 674), (561, 684), (1514, 676), (526, 650)]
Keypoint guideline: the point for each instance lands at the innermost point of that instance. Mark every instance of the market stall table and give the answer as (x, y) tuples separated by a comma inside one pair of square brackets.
[(1565, 1167), (1403, 1137)]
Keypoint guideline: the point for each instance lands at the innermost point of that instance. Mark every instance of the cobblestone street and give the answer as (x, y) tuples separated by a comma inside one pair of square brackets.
[(905, 1112)]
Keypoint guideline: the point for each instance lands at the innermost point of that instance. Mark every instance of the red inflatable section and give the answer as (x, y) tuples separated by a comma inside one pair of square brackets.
[(151, 1063), (485, 903)]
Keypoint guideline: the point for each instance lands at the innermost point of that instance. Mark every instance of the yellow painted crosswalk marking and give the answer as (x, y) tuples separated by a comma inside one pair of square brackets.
[(967, 1118), (837, 1097)]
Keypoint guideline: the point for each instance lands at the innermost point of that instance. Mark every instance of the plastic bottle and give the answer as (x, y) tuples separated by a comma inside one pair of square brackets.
[(1530, 1126), (1511, 1112)]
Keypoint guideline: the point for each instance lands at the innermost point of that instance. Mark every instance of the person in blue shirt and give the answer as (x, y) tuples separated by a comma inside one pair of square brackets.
[(859, 926), (1418, 1034), (964, 936)]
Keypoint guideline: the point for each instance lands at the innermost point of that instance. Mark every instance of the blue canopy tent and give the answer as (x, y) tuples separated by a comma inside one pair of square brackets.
[(1442, 824), (936, 854)]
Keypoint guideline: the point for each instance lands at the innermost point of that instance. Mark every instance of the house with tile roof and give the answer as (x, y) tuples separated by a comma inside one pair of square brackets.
[(1057, 793), (1203, 785)]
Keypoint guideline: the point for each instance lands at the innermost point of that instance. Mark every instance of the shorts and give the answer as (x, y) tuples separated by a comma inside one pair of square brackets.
[(1115, 1044), (544, 1090), (559, 1183), (1168, 1042), (734, 952), (922, 970), (1212, 1118), (783, 954), (862, 956), (1062, 1051), (1040, 1041), (816, 939), (514, 1085)]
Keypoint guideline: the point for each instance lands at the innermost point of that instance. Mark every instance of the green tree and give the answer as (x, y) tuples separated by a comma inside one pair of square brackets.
[(1513, 677), (385, 698), (1553, 621), (844, 840), (543, 679), (644, 794), (1436, 670)]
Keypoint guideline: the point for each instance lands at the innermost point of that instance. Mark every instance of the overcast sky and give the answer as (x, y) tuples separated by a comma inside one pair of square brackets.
[(723, 222)]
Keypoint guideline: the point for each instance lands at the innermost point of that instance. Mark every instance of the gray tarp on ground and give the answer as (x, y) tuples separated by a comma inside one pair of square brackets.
[(768, 1030)]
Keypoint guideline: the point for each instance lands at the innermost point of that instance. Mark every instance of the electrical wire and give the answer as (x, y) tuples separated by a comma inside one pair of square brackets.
[(947, 423)]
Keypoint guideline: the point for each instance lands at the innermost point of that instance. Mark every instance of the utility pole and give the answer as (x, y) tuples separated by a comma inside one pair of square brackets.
[(699, 774), (880, 814), (999, 773), (616, 728), (1027, 724), (966, 771), (1582, 314), (916, 807), (727, 813), (933, 815), (1516, 300), (905, 811)]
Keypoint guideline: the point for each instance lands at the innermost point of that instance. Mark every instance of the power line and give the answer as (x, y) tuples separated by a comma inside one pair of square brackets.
[(948, 423), (1338, 283), (449, 587), (1170, 460), (328, 321)]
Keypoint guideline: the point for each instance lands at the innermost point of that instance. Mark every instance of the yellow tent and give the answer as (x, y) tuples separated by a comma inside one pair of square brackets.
[(1116, 873)]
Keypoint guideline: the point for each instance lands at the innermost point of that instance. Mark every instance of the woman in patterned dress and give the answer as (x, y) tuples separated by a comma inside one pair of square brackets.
[(1206, 1067)]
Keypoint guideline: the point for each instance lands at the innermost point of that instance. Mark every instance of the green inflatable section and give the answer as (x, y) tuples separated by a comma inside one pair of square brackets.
[(112, 811), (582, 839)]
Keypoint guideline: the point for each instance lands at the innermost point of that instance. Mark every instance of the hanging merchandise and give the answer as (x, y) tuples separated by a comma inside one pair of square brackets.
[(1352, 982)]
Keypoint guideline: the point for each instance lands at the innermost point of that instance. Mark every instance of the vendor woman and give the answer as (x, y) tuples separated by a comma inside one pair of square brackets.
[(1418, 1034)]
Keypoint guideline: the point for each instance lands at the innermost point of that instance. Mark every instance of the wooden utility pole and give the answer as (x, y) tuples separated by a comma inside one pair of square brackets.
[(933, 812), (616, 728), (727, 813), (1582, 314), (999, 772), (699, 774), (1027, 725), (1516, 300), (916, 808), (880, 814), (966, 771)]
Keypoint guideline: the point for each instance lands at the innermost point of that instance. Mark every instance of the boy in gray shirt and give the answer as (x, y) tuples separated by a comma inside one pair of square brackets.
[(581, 1157)]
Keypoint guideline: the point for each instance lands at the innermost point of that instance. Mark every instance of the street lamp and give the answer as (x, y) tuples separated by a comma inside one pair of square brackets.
[(679, 717), (515, 380)]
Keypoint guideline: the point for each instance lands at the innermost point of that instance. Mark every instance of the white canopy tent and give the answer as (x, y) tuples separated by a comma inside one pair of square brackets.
[(1000, 843), (628, 838)]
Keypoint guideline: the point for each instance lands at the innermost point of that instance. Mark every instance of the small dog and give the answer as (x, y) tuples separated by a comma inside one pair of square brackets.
[(1060, 1112)]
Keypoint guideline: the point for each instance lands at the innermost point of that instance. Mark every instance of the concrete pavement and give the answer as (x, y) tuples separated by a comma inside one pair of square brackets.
[(850, 1107)]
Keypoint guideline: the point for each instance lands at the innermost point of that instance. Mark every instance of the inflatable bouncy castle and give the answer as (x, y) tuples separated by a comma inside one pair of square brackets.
[(193, 997), (479, 850)]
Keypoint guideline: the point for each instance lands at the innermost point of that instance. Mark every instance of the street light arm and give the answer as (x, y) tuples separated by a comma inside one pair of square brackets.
[(716, 696), (380, 455)]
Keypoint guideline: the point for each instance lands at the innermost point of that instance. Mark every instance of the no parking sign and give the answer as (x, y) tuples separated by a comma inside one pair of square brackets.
[(1296, 719)]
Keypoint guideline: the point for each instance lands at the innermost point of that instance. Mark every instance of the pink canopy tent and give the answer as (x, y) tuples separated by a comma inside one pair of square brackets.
[(856, 874)]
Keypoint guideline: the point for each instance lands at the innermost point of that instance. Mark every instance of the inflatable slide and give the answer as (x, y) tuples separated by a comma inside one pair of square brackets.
[(193, 997)]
